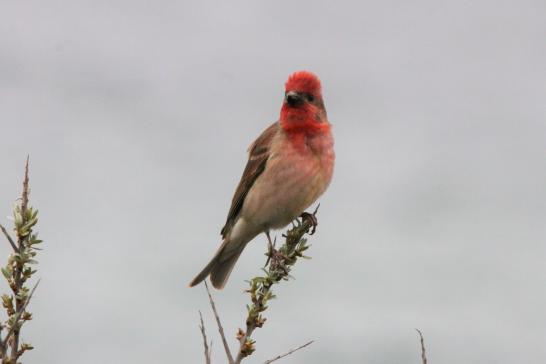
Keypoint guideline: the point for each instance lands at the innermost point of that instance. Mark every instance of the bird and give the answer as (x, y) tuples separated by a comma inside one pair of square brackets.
[(290, 165)]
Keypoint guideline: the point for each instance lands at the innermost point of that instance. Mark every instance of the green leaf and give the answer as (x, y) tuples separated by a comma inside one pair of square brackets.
[(6, 272)]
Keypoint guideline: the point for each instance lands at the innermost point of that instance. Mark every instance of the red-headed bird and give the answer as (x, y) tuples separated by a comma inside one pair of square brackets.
[(289, 166)]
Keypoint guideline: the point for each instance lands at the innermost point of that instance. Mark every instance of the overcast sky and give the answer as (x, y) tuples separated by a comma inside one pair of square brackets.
[(137, 116)]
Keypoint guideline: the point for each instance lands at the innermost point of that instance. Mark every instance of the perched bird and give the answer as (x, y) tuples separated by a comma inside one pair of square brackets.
[(289, 166)]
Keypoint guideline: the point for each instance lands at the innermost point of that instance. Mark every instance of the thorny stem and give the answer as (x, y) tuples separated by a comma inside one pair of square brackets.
[(11, 242)]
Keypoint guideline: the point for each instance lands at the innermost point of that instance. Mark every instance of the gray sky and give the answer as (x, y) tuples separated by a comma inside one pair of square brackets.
[(137, 115)]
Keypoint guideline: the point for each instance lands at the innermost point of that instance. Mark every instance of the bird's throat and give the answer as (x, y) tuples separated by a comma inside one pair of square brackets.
[(303, 120)]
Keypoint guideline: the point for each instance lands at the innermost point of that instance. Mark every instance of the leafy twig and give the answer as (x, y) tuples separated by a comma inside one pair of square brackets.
[(18, 317), (17, 272), (19, 266), (278, 268), (288, 352)]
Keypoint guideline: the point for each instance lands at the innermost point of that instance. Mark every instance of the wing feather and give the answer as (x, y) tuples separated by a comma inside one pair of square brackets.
[(258, 154)]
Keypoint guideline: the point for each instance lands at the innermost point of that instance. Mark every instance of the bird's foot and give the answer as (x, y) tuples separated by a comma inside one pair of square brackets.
[(312, 218), (278, 261)]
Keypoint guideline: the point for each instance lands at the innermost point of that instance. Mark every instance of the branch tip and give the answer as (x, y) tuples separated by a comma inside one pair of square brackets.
[(220, 328), (423, 353), (204, 334), (288, 352)]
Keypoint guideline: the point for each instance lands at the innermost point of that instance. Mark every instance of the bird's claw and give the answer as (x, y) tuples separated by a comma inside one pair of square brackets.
[(312, 219)]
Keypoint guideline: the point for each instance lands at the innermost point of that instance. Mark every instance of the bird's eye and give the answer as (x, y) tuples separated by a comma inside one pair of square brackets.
[(310, 98)]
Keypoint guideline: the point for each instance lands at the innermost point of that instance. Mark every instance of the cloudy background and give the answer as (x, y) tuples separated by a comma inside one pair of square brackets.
[(137, 115)]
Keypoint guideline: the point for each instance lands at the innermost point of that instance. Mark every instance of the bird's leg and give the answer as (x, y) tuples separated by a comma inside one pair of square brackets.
[(270, 248)]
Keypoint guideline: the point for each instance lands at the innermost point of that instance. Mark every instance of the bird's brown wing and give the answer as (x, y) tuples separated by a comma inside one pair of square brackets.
[(258, 153)]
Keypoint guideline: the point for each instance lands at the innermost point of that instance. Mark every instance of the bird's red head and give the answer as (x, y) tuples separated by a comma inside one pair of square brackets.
[(303, 108), (303, 81)]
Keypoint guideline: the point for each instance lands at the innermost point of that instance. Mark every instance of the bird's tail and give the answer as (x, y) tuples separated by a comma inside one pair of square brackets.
[(221, 265)]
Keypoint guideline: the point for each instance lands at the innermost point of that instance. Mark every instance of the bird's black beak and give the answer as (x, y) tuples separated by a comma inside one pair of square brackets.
[(293, 98)]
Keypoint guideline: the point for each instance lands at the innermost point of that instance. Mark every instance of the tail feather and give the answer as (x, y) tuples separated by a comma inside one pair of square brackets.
[(204, 273), (220, 266), (221, 271)]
